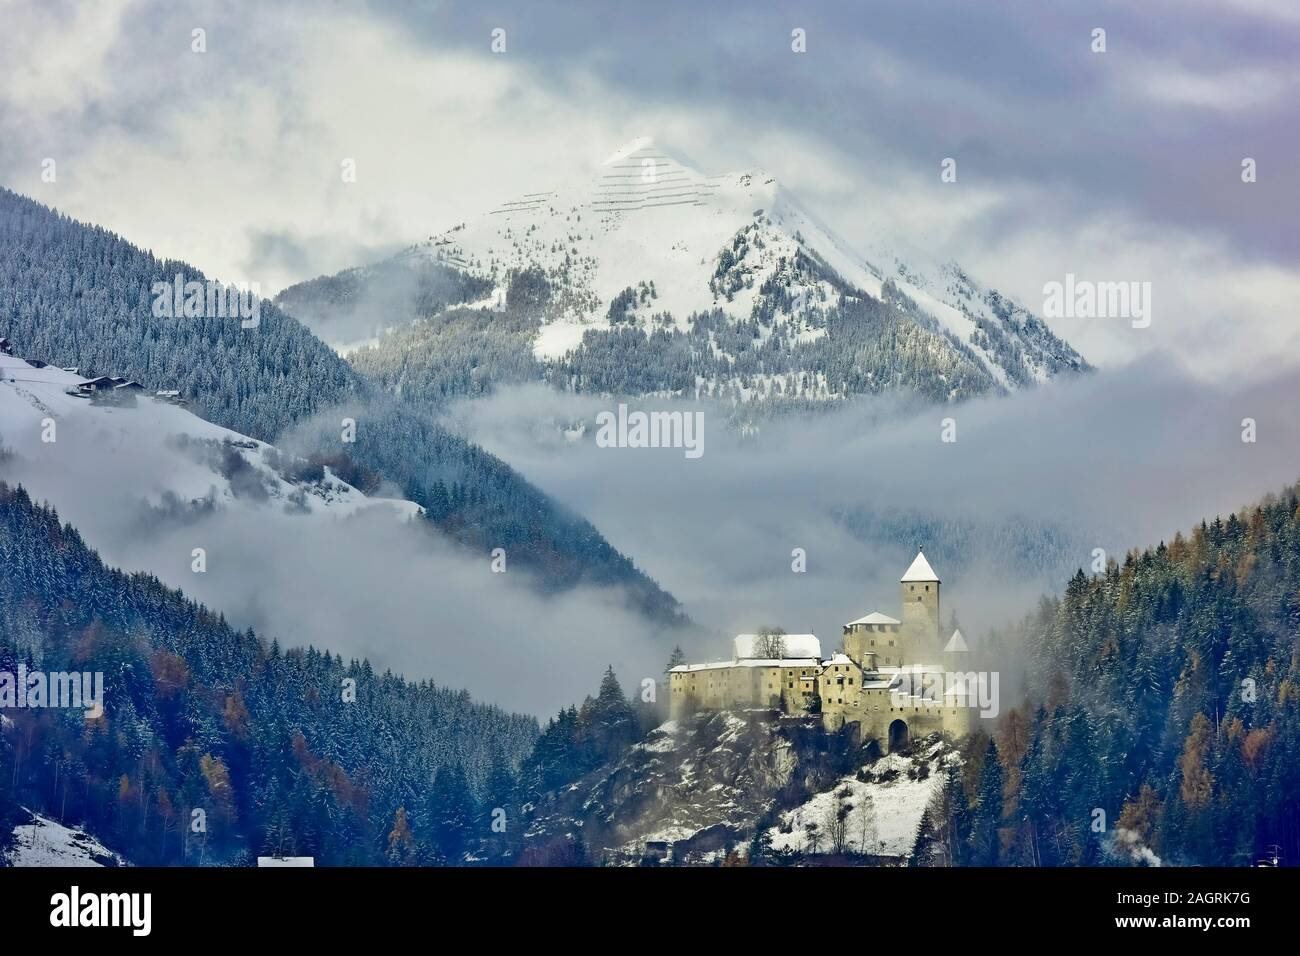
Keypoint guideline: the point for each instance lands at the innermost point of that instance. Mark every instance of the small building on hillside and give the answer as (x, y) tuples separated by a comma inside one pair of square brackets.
[(106, 390), (101, 384)]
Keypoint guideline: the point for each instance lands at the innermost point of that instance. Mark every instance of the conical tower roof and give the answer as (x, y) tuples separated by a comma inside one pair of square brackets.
[(920, 570)]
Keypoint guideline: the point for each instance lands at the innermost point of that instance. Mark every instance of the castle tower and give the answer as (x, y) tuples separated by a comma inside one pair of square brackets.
[(920, 602), (873, 640)]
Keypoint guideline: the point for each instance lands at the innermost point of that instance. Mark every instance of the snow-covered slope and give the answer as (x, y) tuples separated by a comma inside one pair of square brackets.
[(151, 452), (698, 786), (44, 842), (883, 804), (686, 242)]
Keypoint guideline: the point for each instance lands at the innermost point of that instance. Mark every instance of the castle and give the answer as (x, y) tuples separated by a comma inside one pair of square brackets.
[(893, 679)]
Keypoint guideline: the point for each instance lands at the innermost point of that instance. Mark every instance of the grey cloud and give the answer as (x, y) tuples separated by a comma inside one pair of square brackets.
[(1013, 90), (1053, 142), (282, 254), (1118, 460), (369, 585)]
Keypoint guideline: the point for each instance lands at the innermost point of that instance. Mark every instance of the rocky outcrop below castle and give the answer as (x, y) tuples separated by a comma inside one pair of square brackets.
[(696, 788)]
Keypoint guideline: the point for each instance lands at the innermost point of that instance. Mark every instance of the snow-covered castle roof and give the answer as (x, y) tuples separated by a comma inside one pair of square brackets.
[(797, 646), (875, 617), (919, 570)]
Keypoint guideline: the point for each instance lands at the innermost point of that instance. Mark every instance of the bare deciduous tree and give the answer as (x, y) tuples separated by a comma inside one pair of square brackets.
[(837, 821), (867, 837), (769, 644)]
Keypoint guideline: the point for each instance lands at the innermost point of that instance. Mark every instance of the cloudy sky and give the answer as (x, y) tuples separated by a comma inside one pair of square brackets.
[(1122, 165)]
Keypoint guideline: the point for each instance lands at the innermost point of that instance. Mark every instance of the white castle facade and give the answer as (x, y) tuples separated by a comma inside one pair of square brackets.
[(893, 678)]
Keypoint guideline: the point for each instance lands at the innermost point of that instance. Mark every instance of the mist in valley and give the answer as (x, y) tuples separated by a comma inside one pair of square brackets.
[(1032, 484)]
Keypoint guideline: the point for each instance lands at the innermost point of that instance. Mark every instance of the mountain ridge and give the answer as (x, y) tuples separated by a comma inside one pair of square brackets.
[(198, 713), (75, 294), (727, 278)]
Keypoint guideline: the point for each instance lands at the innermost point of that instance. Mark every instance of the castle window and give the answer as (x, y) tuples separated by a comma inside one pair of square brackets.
[(927, 588)]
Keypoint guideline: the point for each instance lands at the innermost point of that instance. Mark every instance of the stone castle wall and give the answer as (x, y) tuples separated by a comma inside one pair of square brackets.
[(853, 689)]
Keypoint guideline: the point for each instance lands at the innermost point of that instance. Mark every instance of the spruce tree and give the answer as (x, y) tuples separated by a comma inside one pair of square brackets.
[(987, 813), (925, 842)]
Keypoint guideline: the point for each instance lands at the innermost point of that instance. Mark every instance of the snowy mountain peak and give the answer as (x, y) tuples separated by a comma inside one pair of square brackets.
[(650, 242), (642, 175), (633, 147), (646, 158)]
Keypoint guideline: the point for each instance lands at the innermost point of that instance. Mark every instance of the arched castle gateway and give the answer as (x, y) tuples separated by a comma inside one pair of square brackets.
[(890, 679)]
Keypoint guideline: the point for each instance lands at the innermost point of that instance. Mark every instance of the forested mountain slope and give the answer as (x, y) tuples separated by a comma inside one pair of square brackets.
[(271, 746), (1166, 693), (79, 296)]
